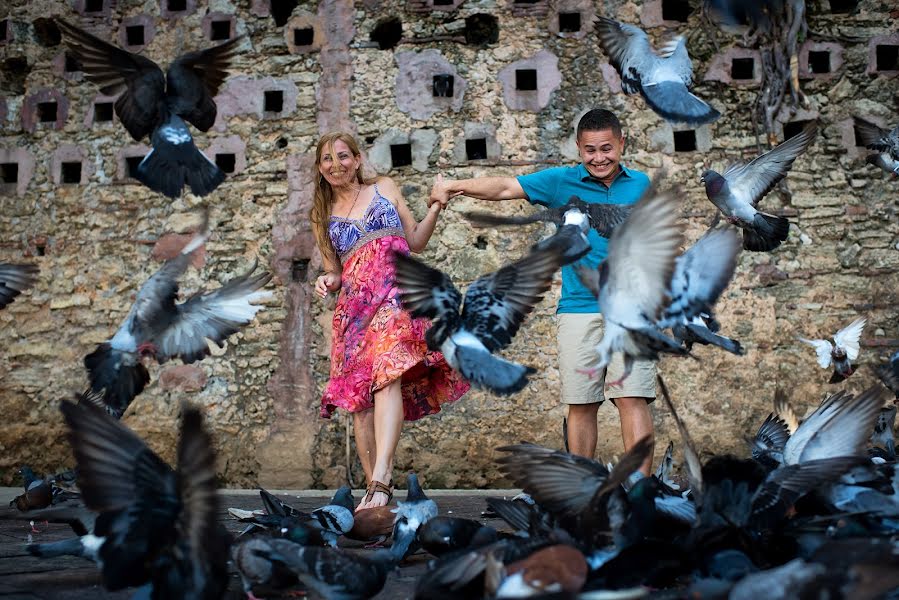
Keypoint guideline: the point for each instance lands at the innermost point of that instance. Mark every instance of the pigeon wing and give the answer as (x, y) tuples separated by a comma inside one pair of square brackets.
[(488, 219), (628, 50), (195, 78), (425, 291), (14, 279), (847, 338), (751, 182), (604, 218), (213, 315), (138, 79), (823, 349), (870, 135), (496, 304)]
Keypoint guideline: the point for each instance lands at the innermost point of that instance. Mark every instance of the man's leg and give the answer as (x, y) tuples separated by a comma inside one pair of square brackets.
[(636, 423), (632, 399), (577, 337)]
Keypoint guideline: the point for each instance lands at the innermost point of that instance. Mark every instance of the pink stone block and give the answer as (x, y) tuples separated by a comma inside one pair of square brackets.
[(149, 25), (229, 145), (185, 378), (219, 17), (881, 40), (122, 156), (169, 245), (836, 59), (24, 162), (721, 66), (296, 33), (611, 77), (90, 117), (70, 153), (31, 117)]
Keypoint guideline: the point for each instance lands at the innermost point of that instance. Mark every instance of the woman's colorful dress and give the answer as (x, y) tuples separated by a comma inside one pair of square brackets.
[(374, 340)]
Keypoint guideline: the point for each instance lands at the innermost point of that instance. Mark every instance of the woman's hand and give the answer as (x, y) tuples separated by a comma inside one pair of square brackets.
[(329, 282), (441, 192)]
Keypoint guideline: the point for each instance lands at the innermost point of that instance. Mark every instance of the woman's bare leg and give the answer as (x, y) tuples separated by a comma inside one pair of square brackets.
[(364, 432), (388, 424)]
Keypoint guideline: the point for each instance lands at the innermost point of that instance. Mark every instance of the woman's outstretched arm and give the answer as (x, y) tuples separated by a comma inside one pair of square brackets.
[(417, 233)]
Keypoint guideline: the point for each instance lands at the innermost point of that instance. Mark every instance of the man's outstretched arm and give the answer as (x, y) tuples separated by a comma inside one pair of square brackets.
[(483, 188)]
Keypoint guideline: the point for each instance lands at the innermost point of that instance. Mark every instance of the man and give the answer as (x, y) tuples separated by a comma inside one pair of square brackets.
[(600, 178)]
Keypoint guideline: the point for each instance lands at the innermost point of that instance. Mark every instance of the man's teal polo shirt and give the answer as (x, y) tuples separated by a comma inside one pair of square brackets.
[(553, 188)]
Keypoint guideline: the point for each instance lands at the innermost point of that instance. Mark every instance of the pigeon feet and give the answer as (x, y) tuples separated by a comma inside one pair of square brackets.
[(591, 373)]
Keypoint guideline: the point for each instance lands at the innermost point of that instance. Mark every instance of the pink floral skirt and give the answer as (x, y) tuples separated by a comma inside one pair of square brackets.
[(376, 342)]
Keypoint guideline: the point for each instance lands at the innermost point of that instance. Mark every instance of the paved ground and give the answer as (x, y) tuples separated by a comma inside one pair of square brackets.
[(29, 578)]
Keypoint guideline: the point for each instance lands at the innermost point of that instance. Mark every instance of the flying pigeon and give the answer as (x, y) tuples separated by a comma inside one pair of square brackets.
[(604, 218), (889, 373), (700, 276), (156, 326), (160, 105), (495, 306), (663, 77), (885, 142), (738, 191), (844, 350), (15, 279), (160, 526), (633, 283)]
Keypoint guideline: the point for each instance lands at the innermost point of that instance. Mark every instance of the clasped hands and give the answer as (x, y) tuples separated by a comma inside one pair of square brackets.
[(441, 193)]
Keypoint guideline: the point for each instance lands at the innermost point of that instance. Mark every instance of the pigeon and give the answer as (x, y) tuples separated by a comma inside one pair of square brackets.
[(700, 276), (38, 492), (417, 510), (844, 350), (742, 186), (735, 16), (889, 373), (633, 284), (495, 306), (557, 568), (254, 569), (769, 441), (663, 77), (372, 525), (332, 573), (603, 218), (883, 436), (333, 520), (160, 105), (885, 142), (158, 327), (666, 468), (15, 279), (442, 535), (160, 525)]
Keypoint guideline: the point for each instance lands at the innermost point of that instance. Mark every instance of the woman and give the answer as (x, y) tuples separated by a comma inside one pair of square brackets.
[(381, 368)]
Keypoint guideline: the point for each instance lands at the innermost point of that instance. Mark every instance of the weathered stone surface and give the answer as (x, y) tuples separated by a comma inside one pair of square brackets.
[(185, 378)]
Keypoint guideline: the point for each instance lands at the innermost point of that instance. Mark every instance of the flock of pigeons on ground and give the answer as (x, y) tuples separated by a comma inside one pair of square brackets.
[(812, 510)]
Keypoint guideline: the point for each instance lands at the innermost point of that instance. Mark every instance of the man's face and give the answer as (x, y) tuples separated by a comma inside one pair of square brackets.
[(600, 152)]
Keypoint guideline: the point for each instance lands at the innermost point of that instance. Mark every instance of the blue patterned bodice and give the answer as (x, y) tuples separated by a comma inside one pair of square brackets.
[(380, 219)]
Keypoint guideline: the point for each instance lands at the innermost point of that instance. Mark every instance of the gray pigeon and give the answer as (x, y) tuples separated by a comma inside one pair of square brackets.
[(633, 283), (417, 510), (738, 191), (700, 276), (663, 77), (883, 435), (15, 279), (885, 142), (842, 352), (495, 306), (156, 326), (889, 374), (604, 218)]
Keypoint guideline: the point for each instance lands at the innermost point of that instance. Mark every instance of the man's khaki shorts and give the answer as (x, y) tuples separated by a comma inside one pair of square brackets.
[(578, 335)]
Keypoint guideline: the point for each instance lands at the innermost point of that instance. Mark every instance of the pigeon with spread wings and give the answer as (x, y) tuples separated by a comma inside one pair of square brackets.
[(156, 104), (604, 218), (885, 142), (844, 350), (15, 279), (495, 306), (663, 77), (159, 327), (738, 191)]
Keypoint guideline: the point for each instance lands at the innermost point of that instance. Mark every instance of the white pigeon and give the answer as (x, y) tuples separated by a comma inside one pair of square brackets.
[(662, 77), (844, 350)]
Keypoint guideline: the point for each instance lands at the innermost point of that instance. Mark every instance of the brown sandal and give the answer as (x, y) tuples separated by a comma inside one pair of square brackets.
[(376, 486)]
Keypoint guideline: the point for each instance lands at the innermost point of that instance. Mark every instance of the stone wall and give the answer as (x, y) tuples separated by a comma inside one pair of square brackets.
[(474, 88)]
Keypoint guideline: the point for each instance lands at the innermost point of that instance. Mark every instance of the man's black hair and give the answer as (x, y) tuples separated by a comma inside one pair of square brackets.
[(599, 119)]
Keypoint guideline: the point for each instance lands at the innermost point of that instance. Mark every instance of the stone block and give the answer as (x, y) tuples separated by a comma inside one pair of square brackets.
[(243, 95), (183, 378), (177, 9), (16, 170), (70, 154), (565, 15), (881, 48), (528, 84), (136, 32), (37, 106), (733, 67), (219, 27), (229, 153), (823, 54), (416, 88), (169, 245), (476, 131)]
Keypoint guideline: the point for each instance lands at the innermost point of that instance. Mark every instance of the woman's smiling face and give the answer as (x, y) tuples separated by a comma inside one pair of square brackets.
[(338, 165)]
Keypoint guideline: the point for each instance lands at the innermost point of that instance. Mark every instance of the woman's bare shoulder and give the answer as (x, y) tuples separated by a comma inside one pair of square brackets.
[(388, 188)]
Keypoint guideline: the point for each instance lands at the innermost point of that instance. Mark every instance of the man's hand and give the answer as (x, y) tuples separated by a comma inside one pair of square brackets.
[(442, 191), (329, 282)]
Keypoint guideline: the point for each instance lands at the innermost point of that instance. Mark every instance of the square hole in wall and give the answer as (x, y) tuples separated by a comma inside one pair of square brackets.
[(443, 2), (676, 10), (793, 128), (843, 6), (742, 68), (9, 172), (131, 164), (4, 30), (71, 64), (858, 136), (887, 57), (526, 79), (476, 149), (134, 35), (685, 141), (442, 86), (176, 5), (47, 112), (526, 1), (70, 172), (273, 101), (819, 61), (569, 22), (93, 6), (303, 36), (102, 112), (226, 161), (400, 155), (220, 31)]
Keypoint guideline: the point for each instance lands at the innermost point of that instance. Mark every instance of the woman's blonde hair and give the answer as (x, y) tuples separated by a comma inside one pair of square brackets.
[(323, 198)]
